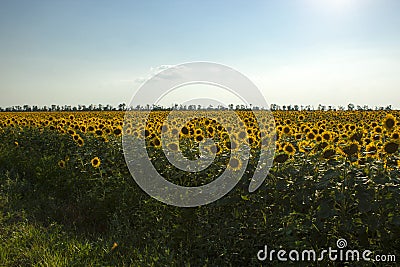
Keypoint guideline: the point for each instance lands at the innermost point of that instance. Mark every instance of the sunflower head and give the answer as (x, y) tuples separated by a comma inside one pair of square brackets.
[(281, 158), (391, 147), (351, 149), (306, 146), (289, 149), (95, 162), (327, 136), (80, 141), (328, 152), (286, 130), (61, 164), (310, 135), (396, 136), (235, 164), (371, 150), (117, 131), (389, 122), (199, 137), (318, 138), (173, 146)]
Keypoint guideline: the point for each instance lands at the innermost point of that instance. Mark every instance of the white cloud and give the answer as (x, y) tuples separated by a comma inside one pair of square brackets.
[(153, 71)]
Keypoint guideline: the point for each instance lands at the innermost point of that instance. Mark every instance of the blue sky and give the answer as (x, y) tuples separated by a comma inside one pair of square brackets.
[(296, 51)]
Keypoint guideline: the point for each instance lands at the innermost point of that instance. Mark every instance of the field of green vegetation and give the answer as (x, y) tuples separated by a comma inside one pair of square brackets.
[(66, 202)]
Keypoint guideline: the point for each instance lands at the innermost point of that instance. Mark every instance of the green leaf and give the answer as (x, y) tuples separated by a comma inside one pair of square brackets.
[(245, 197)]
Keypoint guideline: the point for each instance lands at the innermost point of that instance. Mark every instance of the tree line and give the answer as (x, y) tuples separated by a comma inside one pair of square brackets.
[(124, 107)]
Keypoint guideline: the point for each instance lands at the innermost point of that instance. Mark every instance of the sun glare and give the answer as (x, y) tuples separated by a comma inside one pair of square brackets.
[(333, 6)]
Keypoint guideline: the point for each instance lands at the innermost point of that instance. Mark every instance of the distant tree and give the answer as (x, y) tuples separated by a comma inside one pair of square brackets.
[(121, 106), (350, 107)]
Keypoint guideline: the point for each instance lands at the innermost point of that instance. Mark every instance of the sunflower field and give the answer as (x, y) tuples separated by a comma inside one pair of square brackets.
[(67, 197)]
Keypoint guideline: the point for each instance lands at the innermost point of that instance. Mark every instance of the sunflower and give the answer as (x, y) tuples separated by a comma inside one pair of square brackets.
[(76, 137), (174, 131), (305, 146), (128, 131), (389, 122), (71, 132), (95, 162), (216, 149), (199, 137), (318, 138), (252, 140), (287, 130), (281, 158), (396, 136), (298, 136), (310, 135), (210, 131), (378, 129), (371, 150), (390, 147), (229, 144), (164, 128), (328, 152), (235, 164), (327, 136), (99, 132), (80, 142), (356, 136), (61, 164), (173, 146), (117, 131), (242, 135), (289, 149), (351, 149), (156, 142)]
